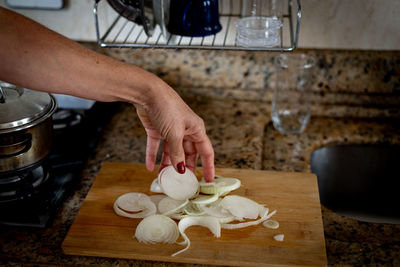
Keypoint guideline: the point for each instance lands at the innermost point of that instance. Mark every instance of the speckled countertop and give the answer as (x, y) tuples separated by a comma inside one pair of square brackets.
[(239, 125)]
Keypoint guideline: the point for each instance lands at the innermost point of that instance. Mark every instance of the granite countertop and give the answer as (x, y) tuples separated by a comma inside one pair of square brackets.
[(243, 137), (355, 98)]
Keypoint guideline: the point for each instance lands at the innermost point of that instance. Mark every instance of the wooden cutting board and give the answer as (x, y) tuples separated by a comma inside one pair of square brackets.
[(98, 231)]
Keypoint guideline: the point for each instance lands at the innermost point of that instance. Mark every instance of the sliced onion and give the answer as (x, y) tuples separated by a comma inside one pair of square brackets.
[(206, 221), (157, 198), (205, 199), (178, 216), (157, 229), (266, 216), (226, 219), (159, 176), (241, 207), (178, 186), (216, 210), (132, 201), (209, 210), (168, 205), (134, 205), (222, 215), (279, 237), (193, 209), (202, 182), (155, 187), (272, 224), (220, 185)]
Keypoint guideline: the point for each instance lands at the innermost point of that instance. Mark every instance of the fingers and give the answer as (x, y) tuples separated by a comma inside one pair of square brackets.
[(206, 152), (176, 152), (190, 155), (165, 160), (151, 152), (191, 152)]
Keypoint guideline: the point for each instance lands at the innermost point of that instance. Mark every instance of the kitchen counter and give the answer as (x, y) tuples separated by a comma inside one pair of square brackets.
[(243, 137), (356, 101)]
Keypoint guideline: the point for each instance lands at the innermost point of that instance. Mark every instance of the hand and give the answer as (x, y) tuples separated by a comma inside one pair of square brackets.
[(168, 118)]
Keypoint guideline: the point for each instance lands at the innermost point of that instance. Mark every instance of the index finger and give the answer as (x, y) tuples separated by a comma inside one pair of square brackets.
[(206, 152)]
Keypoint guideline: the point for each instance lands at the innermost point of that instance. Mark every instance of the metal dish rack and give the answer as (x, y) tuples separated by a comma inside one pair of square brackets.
[(114, 31)]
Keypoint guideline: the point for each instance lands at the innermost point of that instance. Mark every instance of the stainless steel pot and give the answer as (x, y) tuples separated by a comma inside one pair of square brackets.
[(25, 127)]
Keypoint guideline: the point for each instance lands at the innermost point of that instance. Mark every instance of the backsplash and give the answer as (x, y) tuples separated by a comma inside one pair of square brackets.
[(346, 83)]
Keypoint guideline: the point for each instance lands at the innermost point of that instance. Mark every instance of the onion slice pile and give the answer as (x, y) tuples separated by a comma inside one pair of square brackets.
[(157, 229), (134, 205), (213, 209), (206, 221), (178, 186)]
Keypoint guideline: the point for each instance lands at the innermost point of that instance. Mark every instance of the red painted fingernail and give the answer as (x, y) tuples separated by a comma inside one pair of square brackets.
[(181, 167)]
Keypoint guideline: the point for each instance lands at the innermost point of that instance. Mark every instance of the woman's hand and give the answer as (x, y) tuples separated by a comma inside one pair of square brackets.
[(167, 117)]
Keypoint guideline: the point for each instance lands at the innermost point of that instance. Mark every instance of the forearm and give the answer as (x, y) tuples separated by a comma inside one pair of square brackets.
[(37, 58), (34, 57)]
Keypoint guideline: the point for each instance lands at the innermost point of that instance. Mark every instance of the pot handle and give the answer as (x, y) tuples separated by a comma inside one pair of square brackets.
[(11, 150)]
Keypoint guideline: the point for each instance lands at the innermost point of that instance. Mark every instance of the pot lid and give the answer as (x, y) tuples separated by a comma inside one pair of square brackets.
[(21, 107)]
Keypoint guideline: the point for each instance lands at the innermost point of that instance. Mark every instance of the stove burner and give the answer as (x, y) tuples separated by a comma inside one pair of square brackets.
[(66, 118), (22, 185)]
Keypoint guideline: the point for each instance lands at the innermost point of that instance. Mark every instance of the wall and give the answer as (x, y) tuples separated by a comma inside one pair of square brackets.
[(327, 24), (351, 24)]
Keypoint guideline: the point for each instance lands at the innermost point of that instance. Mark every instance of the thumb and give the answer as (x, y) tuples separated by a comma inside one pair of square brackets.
[(177, 154)]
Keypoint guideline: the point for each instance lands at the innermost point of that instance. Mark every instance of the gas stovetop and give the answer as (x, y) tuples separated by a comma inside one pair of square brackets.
[(41, 190)]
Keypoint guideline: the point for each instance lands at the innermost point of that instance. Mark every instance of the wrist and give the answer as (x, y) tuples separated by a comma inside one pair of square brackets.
[(137, 86)]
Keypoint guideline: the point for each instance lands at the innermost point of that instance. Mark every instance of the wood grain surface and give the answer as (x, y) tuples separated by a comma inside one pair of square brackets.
[(98, 231)]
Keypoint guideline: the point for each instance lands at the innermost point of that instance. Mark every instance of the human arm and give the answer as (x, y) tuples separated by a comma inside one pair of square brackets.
[(35, 57)]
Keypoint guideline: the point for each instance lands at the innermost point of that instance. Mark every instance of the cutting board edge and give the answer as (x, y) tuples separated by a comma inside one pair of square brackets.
[(73, 251)]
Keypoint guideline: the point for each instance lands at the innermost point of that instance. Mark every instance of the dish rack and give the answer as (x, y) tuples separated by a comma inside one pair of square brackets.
[(114, 31)]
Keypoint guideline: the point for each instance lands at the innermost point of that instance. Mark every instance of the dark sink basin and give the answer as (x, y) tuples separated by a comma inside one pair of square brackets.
[(360, 181)]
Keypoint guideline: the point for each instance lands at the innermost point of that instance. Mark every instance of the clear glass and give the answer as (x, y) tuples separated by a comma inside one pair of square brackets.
[(258, 32), (291, 103), (263, 8), (260, 23)]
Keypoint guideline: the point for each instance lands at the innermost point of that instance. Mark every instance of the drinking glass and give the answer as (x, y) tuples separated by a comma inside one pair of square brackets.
[(291, 103), (262, 8), (260, 23)]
